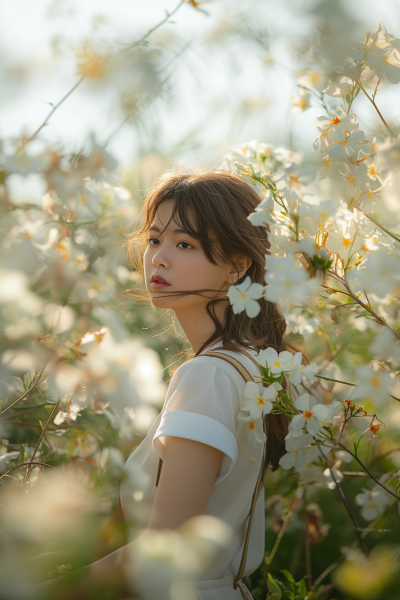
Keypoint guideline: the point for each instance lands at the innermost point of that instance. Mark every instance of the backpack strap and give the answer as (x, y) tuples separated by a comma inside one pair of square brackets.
[(259, 485)]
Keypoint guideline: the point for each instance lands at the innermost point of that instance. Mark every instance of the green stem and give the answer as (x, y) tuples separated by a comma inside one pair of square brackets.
[(281, 532), (367, 470), (392, 235), (343, 497), (352, 384)]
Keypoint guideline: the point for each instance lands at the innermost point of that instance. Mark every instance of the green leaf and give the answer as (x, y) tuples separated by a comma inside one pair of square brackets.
[(354, 362), (302, 588), (26, 381), (273, 588), (288, 575), (41, 424), (289, 595), (22, 452)]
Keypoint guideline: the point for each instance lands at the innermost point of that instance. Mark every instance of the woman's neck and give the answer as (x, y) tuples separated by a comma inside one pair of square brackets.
[(197, 325)]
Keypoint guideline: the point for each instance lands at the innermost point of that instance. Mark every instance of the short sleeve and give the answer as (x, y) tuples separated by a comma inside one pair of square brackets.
[(200, 406)]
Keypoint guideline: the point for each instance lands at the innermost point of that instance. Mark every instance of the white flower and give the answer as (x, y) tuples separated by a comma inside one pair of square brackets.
[(297, 369), (263, 211), (381, 52), (293, 181), (379, 274), (344, 240), (373, 502), (254, 429), (343, 455), (339, 89), (285, 278), (309, 418), (300, 102), (373, 383), (243, 297), (275, 363), (317, 216), (258, 398), (342, 145), (327, 413), (329, 482), (309, 472), (294, 456), (72, 414), (351, 179), (339, 120)]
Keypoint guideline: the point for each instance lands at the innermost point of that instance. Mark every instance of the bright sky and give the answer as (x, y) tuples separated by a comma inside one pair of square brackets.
[(226, 77)]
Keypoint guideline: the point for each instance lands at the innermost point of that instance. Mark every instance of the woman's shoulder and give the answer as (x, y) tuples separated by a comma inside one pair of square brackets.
[(202, 367)]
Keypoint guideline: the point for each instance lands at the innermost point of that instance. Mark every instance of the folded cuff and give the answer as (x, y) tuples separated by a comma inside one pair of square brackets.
[(193, 426)]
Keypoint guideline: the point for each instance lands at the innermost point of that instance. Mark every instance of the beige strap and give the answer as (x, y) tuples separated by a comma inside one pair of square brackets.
[(259, 485)]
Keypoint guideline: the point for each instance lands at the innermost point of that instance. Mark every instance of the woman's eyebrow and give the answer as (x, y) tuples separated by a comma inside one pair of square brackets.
[(155, 228)]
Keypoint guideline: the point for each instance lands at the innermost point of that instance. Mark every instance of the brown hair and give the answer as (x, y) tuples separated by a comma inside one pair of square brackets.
[(219, 203)]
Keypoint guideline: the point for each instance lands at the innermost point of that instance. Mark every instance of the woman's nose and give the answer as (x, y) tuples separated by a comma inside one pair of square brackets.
[(160, 259)]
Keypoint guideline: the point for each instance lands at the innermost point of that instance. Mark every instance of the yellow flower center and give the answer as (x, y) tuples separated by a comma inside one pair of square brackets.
[(243, 295), (346, 242), (308, 414), (251, 425), (372, 171), (351, 180), (336, 120), (277, 363), (260, 400), (294, 179), (374, 381)]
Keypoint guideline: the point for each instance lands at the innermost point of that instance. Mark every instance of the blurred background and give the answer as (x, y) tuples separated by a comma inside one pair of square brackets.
[(137, 87)]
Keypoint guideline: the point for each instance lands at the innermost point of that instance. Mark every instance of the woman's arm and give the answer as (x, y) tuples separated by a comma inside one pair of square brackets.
[(187, 478), (188, 475)]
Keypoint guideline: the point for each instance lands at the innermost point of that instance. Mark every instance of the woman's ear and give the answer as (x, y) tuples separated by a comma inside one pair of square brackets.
[(243, 263)]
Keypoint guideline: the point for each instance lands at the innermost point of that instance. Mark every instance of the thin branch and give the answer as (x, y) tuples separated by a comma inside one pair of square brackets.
[(282, 531), (137, 43), (45, 122), (369, 473), (377, 110), (394, 236), (42, 435), (343, 497), (166, 18), (343, 557), (24, 465), (359, 474), (360, 302), (31, 389), (30, 424)]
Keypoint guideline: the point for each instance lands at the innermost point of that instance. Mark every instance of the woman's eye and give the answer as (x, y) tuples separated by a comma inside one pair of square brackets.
[(156, 239)]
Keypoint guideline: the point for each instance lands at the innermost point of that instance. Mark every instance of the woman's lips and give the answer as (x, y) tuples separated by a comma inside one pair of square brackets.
[(159, 284)]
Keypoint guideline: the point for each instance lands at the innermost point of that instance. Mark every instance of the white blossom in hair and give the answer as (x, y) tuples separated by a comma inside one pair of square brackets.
[(244, 296)]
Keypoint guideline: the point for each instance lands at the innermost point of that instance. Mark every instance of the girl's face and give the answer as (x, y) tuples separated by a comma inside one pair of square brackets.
[(180, 260)]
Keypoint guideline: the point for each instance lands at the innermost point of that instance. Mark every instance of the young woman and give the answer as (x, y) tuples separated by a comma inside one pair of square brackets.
[(198, 242), (194, 243)]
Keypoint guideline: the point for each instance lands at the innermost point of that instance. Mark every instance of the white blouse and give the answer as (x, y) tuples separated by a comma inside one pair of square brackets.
[(202, 403)]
